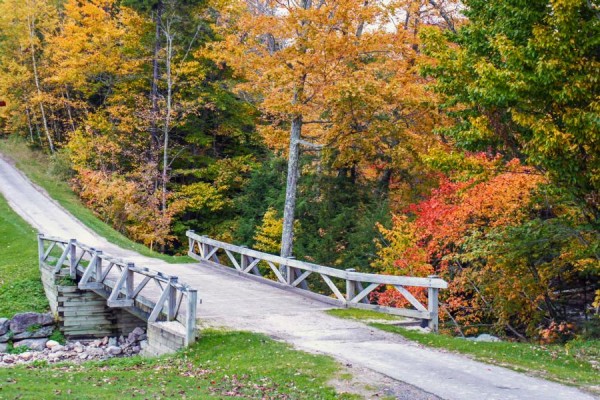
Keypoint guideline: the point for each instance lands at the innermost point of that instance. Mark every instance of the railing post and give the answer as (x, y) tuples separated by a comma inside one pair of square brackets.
[(190, 241), (129, 282), (290, 272), (40, 237), (72, 259), (432, 306), (172, 299), (205, 250), (190, 323), (350, 287)]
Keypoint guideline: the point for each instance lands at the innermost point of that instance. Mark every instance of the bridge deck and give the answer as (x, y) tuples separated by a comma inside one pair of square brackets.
[(239, 303)]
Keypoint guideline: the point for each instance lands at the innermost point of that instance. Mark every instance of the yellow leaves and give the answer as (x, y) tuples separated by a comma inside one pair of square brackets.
[(268, 236)]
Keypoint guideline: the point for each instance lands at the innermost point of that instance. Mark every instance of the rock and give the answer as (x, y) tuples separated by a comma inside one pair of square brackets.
[(484, 337), (143, 337), (78, 348), (5, 338), (26, 356), (138, 331), (114, 350), (83, 356), (21, 322), (3, 347), (52, 343), (112, 342), (95, 352), (143, 344), (136, 349), (23, 335), (104, 341), (4, 325), (58, 354), (32, 344), (8, 359), (58, 348), (44, 331)]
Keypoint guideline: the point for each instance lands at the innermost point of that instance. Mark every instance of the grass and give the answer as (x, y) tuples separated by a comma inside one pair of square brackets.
[(220, 365), (49, 174), (572, 363), (362, 315), (20, 285)]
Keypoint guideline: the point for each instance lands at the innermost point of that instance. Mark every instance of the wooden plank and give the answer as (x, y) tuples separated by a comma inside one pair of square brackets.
[(159, 306), (364, 293), (301, 278), (333, 288), (233, 260), (276, 272), (411, 299)]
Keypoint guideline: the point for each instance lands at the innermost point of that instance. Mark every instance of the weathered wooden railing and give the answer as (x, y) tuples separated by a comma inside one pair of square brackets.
[(291, 273), (122, 283)]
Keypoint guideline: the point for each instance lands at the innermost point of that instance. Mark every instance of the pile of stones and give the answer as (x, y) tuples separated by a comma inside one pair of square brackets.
[(29, 335)]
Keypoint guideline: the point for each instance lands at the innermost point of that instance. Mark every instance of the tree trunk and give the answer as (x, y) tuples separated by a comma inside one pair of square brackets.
[(37, 85), (167, 127), (287, 236), (154, 141)]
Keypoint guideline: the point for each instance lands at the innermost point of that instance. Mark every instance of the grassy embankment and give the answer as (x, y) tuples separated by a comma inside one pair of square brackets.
[(572, 363), (46, 173), (221, 364)]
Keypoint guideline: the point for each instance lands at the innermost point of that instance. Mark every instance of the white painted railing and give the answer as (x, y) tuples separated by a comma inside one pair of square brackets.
[(291, 273), (122, 283)]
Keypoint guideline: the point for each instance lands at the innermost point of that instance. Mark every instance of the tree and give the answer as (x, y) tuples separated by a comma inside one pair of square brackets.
[(519, 77), (333, 76), (25, 26)]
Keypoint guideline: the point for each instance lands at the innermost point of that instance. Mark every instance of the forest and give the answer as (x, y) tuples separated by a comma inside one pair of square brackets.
[(405, 137)]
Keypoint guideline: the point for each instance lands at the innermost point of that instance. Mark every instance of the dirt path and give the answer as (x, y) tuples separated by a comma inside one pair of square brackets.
[(237, 303)]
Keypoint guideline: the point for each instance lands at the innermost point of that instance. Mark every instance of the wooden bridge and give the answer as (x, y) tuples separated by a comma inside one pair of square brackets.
[(169, 308), (291, 274), (158, 300)]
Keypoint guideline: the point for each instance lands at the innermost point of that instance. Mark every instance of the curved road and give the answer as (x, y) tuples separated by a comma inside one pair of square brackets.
[(237, 303)]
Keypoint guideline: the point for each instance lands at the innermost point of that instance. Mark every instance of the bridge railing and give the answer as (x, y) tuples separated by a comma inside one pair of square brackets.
[(353, 291), (151, 295)]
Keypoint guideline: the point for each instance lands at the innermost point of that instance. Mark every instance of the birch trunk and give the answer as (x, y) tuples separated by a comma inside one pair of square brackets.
[(37, 83), (287, 237), (154, 140), (167, 127)]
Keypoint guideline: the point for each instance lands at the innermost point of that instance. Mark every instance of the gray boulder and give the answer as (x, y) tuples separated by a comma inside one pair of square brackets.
[(114, 350), (3, 347), (5, 338), (21, 322), (4, 325), (43, 332), (32, 344)]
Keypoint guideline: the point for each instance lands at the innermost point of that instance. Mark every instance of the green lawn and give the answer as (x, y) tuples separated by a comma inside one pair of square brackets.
[(20, 285), (571, 364), (220, 365), (45, 172)]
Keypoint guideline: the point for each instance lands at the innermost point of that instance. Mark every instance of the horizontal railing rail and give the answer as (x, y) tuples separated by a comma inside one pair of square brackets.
[(122, 283), (289, 272)]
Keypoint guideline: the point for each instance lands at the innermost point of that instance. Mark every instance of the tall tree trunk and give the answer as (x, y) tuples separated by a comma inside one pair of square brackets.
[(37, 83), (154, 140), (29, 125), (287, 237), (167, 125)]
